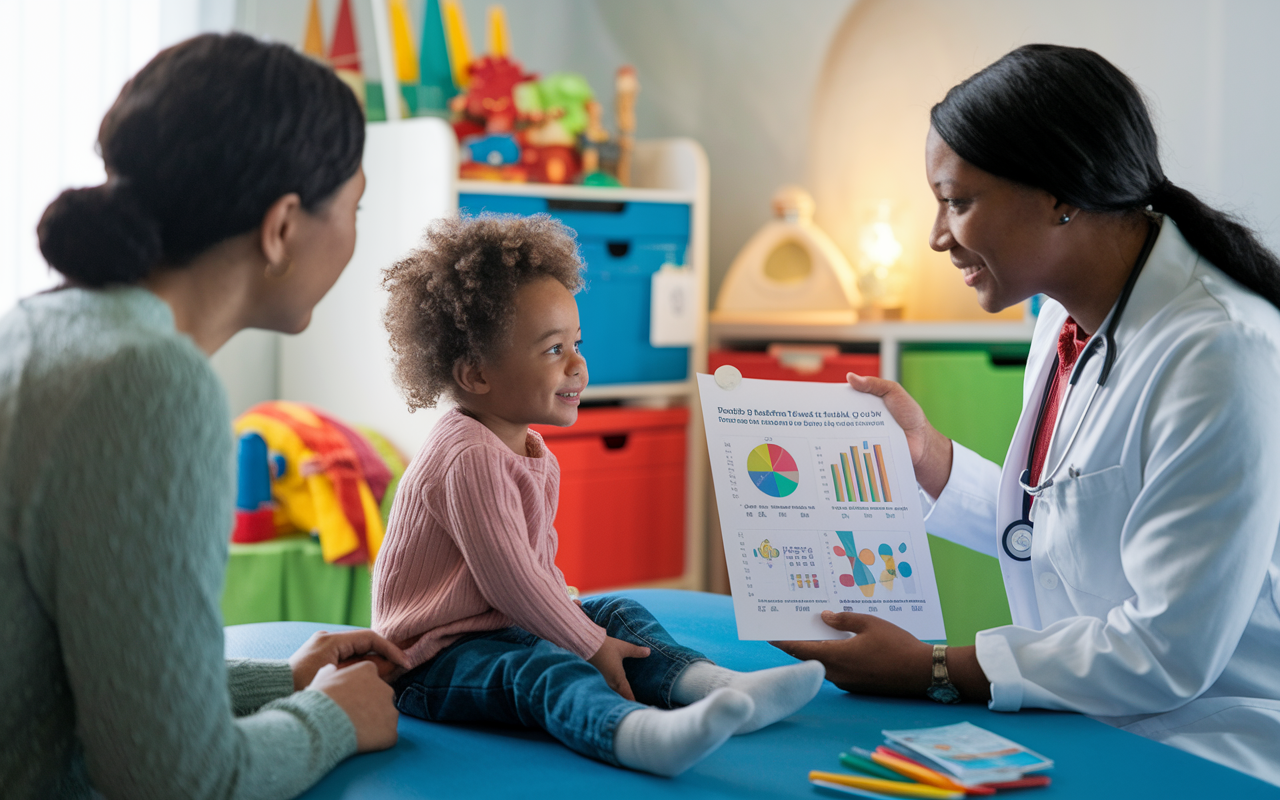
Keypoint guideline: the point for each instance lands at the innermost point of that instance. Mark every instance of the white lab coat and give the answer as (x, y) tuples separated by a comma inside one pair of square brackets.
[(1150, 600)]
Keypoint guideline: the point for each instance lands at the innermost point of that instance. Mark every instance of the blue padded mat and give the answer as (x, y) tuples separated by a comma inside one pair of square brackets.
[(1093, 760)]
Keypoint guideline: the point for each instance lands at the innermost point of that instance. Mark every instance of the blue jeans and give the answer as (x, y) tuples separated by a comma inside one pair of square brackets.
[(512, 677)]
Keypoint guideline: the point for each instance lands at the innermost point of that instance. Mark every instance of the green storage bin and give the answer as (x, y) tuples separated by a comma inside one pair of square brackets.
[(288, 579), (361, 611), (973, 395), (970, 591)]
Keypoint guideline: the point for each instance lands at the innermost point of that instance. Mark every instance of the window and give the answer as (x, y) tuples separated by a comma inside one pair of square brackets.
[(64, 62)]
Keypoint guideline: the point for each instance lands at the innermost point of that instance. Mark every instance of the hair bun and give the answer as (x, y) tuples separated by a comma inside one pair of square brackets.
[(99, 236)]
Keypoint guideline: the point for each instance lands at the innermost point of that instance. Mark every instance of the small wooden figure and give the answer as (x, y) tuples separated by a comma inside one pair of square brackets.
[(599, 153), (592, 138), (627, 86)]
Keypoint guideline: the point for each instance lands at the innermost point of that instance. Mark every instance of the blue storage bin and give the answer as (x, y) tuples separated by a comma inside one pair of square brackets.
[(622, 245), (592, 219)]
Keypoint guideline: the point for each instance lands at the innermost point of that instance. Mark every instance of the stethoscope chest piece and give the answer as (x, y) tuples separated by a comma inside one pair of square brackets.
[(1017, 540)]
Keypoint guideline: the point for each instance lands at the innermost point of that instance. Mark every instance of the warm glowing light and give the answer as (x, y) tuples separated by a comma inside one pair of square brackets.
[(879, 246), (881, 276)]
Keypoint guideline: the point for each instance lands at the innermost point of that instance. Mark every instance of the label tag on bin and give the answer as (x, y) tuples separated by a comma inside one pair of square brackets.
[(673, 307)]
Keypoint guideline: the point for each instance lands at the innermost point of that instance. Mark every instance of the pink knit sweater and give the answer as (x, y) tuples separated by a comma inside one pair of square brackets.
[(470, 546)]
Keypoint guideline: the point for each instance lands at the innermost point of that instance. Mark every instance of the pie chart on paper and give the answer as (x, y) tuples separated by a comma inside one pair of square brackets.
[(773, 470)]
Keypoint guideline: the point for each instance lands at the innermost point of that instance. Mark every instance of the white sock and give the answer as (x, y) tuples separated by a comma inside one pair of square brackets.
[(777, 693), (669, 742)]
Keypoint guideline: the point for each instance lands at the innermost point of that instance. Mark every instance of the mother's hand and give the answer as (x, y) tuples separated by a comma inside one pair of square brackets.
[(881, 659), (930, 450), (342, 649)]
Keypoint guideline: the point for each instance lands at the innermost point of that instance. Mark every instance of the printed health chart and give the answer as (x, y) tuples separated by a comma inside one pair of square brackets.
[(818, 508)]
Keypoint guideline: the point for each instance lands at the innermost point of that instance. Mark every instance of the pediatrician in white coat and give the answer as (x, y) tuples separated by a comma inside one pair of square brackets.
[(1137, 513)]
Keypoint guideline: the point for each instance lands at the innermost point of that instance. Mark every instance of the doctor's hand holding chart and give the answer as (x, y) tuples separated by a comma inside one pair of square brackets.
[(1135, 516)]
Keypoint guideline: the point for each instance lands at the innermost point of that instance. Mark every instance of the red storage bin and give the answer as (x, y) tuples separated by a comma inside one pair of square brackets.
[(622, 495), (820, 363)]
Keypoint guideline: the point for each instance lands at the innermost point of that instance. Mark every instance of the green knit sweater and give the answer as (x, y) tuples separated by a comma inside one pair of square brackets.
[(116, 498)]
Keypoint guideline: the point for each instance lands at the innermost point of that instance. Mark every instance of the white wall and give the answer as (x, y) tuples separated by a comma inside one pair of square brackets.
[(1207, 69)]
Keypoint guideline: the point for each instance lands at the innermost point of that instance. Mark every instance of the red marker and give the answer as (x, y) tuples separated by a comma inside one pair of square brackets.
[(1028, 782)]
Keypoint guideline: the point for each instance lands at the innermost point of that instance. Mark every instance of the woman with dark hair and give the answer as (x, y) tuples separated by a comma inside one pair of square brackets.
[(233, 177), (1135, 517)]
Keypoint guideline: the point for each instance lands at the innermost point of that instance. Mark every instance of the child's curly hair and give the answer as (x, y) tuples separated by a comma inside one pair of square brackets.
[(453, 298)]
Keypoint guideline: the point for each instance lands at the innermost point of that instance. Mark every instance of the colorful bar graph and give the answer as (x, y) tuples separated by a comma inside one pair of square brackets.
[(848, 484), (806, 581), (884, 478), (863, 494), (863, 475)]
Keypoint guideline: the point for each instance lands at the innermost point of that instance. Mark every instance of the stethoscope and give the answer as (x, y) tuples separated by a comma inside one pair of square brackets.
[(1019, 533)]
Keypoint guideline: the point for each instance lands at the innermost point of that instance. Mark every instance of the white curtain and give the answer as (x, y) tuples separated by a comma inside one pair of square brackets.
[(63, 63)]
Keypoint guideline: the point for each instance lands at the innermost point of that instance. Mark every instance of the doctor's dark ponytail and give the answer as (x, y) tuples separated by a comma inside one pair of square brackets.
[(1066, 120), (199, 144)]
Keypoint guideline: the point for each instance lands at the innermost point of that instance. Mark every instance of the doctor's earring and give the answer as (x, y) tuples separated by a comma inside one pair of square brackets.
[(1064, 219)]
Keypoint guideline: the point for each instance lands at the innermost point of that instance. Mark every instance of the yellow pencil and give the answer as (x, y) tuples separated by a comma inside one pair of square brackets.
[(894, 788), (916, 772)]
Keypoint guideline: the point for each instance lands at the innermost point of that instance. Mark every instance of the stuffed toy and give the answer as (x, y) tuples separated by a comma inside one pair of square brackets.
[(300, 469)]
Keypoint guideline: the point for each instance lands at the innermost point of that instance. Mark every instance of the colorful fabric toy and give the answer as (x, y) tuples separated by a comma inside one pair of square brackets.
[(302, 470)]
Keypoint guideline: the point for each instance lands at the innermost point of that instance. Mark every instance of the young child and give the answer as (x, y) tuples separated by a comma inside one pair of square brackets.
[(466, 580)]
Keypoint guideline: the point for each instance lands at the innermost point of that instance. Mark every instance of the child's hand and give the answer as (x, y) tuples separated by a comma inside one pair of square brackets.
[(608, 659), (387, 670)]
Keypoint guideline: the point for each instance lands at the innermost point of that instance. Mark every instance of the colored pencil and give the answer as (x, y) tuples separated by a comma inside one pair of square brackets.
[(892, 788), (864, 764), (922, 774), (1025, 782)]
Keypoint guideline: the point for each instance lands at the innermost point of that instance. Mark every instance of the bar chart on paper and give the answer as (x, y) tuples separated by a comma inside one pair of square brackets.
[(818, 510), (857, 473)]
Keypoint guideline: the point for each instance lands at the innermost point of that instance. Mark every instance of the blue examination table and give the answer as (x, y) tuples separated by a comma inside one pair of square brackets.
[(431, 760)]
